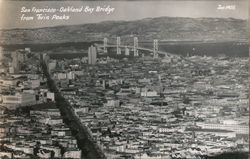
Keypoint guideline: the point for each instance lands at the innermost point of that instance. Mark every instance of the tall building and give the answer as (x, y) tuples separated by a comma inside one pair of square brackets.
[(126, 51), (92, 55), (15, 61), (52, 65)]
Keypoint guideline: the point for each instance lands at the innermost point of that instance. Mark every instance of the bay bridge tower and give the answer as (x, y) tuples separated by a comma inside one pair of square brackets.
[(105, 43), (118, 44), (156, 48), (136, 46)]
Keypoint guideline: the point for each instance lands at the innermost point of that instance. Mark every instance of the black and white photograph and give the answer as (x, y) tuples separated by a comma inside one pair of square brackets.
[(142, 79)]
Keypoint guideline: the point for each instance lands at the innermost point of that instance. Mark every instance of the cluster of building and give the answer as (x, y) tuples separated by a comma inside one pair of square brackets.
[(22, 80), (165, 107), (30, 124), (40, 133)]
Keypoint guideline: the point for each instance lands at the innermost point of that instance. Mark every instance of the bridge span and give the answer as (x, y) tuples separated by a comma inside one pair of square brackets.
[(136, 48)]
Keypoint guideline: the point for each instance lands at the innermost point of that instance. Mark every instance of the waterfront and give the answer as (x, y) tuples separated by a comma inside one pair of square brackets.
[(77, 49)]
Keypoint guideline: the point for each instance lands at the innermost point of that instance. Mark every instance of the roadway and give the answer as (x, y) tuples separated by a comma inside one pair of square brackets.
[(90, 150)]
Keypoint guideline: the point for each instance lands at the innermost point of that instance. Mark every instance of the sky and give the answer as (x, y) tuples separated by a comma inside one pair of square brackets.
[(10, 11)]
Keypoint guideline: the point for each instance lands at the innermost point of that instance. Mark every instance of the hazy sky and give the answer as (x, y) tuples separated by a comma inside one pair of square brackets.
[(10, 11)]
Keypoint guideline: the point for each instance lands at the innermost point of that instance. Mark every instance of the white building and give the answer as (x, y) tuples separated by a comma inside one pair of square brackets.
[(51, 96), (19, 99), (51, 65), (75, 154), (149, 94), (239, 129)]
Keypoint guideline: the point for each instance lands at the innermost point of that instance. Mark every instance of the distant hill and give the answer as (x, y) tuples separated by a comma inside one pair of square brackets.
[(162, 28)]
